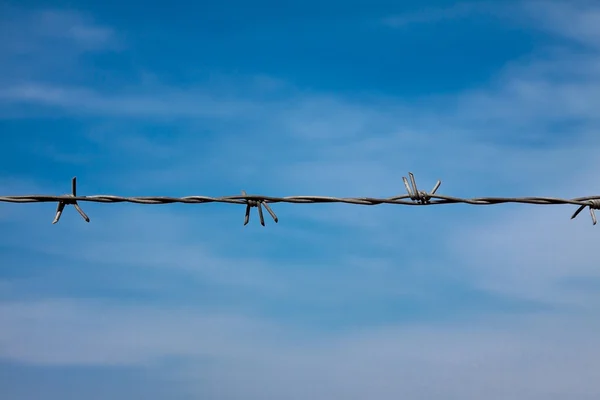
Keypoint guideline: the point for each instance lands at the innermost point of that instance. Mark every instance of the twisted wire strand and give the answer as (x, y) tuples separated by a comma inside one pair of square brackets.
[(366, 201), (414, 197)]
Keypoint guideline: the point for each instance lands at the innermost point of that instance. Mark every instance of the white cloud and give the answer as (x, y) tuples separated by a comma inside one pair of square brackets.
[(433, 15), (50, 43), (65, 332), (31, 31), (577, 20), (88, 102), (533, 252), (329, 145), (496, 358), (72, 26), (518, 251)]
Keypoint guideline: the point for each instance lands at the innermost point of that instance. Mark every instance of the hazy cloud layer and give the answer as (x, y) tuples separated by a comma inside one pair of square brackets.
[(335, 300)]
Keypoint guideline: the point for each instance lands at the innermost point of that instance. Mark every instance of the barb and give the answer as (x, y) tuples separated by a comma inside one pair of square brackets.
[(414, 197), (70, 200), (593, 204), (258, 204)]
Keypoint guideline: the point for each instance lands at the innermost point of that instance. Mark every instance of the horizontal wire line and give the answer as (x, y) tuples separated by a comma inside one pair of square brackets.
[(370, 201), (415, 197)]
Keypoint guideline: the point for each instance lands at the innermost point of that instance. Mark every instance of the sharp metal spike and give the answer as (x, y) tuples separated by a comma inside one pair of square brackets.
[(414, 184), (247, 215), (436, 187), (260, 213), (576, 213), (271, 212), (80, 211), (407, 187), (59, 211)]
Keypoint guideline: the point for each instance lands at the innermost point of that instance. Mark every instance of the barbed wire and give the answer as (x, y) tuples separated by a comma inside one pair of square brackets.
[(414, 197)]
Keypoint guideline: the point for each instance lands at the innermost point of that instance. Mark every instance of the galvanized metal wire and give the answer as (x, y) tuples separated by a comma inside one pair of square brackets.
[(414, 197)]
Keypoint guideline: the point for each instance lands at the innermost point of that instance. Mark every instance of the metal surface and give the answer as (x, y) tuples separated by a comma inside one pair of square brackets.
[(415, 197)]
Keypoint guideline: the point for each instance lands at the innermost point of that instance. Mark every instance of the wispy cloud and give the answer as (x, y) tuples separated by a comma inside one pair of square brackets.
[(256, 356), (577, 20), (434, 15), (384, 302), (32, 31), (88, 102), (72, 26), (48, 42)]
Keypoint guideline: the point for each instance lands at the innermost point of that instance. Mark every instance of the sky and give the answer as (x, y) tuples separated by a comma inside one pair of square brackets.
[(299, 98)]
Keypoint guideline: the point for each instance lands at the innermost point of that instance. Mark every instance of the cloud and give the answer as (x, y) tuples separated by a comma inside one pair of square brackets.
[(454, 12), (378, 302), (547, 249), (113, 335), (576, 20), (325, 144), (89, 102), (31, 31), (237, 357), (60, 44), (74, 27), (550, 87)]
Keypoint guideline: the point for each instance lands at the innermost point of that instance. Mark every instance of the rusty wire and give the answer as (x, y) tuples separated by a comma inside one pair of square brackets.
[(413, 197)]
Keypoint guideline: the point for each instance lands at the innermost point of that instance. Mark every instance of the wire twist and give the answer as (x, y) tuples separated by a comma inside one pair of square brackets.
[(414, 197)]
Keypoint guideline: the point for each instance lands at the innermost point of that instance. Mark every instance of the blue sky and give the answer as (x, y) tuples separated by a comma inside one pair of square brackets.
[(324, 98)]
